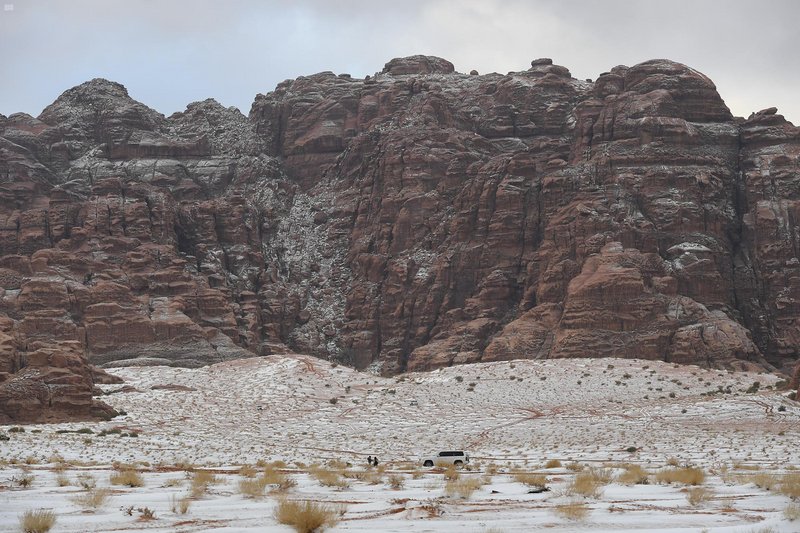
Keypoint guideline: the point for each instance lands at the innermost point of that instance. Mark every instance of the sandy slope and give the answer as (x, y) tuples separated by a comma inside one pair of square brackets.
[(511, 414)]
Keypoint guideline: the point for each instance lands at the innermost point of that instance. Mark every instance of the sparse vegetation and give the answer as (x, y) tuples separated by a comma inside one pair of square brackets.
[(464, 487), (686, 476), (39, 521), (790, 485), (698, 495), (575, 510), (252, 488), (531, 479), (451, 473), (633, 475), (128, 478), (396, 481), (307, 517), (792, 512), (553, 463), (179, 505), (764, 480), (329, 478), (93, 498), (23, 480), (585, 484), (201, 480)]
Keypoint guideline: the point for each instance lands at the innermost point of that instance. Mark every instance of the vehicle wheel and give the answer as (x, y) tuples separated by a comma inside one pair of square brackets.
[(427, 463), (458, 463)]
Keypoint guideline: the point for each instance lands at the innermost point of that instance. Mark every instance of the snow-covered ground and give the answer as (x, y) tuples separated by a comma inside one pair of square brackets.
[(510, 416)]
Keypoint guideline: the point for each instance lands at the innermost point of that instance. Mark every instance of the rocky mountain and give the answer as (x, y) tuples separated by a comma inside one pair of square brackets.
[(410, 220)]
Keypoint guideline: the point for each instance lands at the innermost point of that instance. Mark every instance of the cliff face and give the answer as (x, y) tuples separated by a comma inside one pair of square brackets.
[(410, 220)]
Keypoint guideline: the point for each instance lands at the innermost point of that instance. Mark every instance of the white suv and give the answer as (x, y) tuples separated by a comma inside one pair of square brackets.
[(457, 458)]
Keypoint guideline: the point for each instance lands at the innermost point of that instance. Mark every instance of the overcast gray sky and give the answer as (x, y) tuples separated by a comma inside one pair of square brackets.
[(169, 53)]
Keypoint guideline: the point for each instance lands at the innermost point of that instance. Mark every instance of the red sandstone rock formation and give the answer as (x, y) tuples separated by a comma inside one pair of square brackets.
[(417, 218)]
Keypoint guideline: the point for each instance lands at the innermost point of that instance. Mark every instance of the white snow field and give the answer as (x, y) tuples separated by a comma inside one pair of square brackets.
[(573, 421)]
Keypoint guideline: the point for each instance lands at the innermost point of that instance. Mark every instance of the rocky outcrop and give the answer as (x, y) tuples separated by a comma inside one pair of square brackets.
[(416, 218)]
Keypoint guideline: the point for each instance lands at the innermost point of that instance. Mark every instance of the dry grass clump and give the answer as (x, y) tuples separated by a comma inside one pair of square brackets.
[(63, 481), (396, 481), (585, 484), (248, 471), (463, 487), (307, 517), (39, 521), (128, 478), (93, 498), (86, 481), (698, 495), (329, 478), (373, 478), (23, 480), (633, 475), (790, 485), (572, 510), (686, 476), (201, 480), (531, 479), (553, 463), (252, 488), (179, 505), (792, 512), (765, 481), (492, 469), (574, 466), (451, 473), (281, 481)]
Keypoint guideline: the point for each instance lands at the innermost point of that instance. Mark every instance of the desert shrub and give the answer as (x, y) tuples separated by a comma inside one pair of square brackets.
[(396, 481), (93, 498), (790, 485), (698, 495), (673, 461), (252, 488), (792, 512), (686, 476), (179, 505), (307, 517), (633, 475), (201, 480), (764, 481), (31, 460), (585, 484), (278, 479), (23, 480), (553, 463), (16, 429), (572, 510), (531, 479), (128, 478), (63, 481), (145, 513), (574, 466), (451, 473), (373, 478), (329, 478), (462, 487), (602, 475), (247, 471), (39, 521)]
